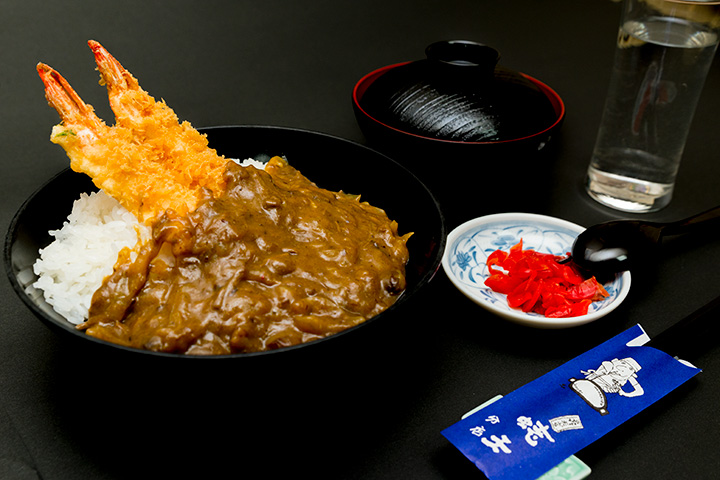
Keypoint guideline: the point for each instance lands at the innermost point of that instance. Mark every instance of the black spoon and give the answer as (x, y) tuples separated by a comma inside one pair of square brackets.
[(616, 246)]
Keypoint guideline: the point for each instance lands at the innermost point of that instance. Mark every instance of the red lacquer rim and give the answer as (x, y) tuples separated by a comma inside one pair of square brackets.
[(362, 85)]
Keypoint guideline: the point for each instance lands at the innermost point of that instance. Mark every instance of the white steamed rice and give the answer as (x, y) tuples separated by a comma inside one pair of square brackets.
[(85, 250), (83, 253)]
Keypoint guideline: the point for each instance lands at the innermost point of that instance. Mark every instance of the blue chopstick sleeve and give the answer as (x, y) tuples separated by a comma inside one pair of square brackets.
[(529, 431)]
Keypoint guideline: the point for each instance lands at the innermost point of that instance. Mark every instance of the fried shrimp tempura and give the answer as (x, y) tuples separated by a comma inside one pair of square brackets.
[(148, 160)]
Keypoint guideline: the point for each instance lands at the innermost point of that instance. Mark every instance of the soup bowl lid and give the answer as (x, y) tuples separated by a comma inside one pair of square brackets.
[(459, 93)]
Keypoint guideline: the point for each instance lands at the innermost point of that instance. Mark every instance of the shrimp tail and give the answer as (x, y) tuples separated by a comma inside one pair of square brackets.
[(133, 107), (113, 74), (61, 96)]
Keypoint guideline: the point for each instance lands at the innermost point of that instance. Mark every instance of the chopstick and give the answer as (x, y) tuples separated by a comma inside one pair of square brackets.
[(684, 338)]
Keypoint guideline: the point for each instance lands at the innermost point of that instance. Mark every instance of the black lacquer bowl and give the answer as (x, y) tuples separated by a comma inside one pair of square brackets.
[(463, 125), (457, 100), (332, 163)]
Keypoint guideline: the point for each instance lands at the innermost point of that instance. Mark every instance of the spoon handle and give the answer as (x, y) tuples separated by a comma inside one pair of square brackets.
[(705, 219)]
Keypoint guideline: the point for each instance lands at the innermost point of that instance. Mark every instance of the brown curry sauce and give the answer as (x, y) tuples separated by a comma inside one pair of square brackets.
[(273, 261)]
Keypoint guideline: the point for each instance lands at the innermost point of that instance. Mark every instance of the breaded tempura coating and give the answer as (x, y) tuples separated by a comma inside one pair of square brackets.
[(148, 160)]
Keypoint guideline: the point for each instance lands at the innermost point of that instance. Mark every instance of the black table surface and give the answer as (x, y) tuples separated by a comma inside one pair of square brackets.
[(375, 407)]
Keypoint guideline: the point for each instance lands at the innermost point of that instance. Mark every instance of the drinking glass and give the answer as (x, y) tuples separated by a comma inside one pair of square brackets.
[(664, 51)]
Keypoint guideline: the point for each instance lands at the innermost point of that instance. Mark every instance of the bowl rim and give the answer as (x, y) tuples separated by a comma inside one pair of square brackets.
[(362, 85), (514, 315), (12, 235)]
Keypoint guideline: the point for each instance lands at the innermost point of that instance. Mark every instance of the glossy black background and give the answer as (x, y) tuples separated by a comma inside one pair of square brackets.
[(373, 408)]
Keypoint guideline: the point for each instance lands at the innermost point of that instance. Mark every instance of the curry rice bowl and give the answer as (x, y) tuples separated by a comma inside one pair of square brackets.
[(85, 250)]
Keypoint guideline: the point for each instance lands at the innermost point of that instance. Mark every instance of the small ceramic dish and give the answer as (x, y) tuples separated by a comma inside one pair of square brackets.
[(469, 245)]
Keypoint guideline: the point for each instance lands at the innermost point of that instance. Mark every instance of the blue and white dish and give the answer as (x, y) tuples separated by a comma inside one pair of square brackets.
[(469, 245)]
